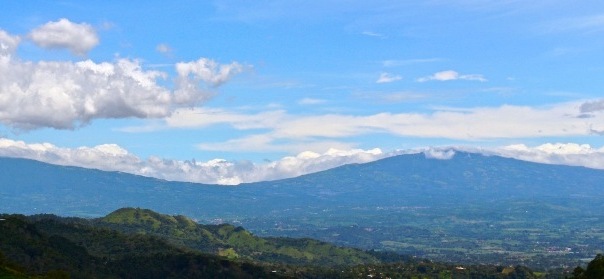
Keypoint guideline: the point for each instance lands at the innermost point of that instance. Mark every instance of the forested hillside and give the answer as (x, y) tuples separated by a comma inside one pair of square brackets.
[(52, 247), (139, 243)]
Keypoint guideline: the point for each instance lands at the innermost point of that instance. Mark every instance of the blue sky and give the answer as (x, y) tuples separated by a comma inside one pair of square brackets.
[(254, 82)]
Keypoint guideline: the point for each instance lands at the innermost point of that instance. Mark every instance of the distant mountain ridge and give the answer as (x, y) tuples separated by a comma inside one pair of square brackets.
[(28, 186)]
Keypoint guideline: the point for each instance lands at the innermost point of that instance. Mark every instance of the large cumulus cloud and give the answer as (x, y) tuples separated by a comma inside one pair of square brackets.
[(66, 95)]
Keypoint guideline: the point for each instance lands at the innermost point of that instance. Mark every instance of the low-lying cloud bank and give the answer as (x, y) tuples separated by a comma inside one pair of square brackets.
[(559, 153), (111, 157), (570, 154)]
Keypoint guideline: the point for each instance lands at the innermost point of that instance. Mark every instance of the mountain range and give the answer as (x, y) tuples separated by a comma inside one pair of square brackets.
[(470, 207)]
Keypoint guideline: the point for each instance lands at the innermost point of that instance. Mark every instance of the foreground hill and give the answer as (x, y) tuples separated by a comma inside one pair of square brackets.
[(471, 208), (47, 246), (232, 242), (51, 247)]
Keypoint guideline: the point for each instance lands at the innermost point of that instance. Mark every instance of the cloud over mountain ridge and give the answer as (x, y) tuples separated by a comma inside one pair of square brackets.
[(112, 157)]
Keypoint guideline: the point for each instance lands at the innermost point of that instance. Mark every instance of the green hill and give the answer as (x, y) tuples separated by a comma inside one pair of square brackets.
[(47, 246), (230, 241)]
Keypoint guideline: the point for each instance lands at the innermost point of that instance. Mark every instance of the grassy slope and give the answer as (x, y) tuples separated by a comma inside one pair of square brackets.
[(233, 242)]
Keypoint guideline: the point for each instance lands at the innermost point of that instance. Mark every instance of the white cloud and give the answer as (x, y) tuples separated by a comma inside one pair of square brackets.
[(311, 101), (79, 38), (556, 153), (400, 97), (8, 44), (204, 117), (391, 97), (452, 75), (66, 95), (163, 48), (105, 157), (190, 74), (373, 34), (396, 63), (565, 148), (269, 143), (571, 154), (440, 154), (208, 70), (387, 78)]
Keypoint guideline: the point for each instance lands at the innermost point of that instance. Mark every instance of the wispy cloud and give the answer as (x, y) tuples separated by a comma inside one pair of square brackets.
[(390, 97), (452, 75), (592, 23), (270, 143), (205, 117), (404, 62), (163, 48), (374, 34), (311, 101), (279, 128), (388, 78)]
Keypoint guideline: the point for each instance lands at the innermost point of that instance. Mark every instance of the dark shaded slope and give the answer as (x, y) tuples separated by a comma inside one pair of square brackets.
[(51, 246)]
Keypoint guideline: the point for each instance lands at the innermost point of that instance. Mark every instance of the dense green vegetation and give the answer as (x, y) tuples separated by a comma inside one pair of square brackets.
[(138, 243), (51, 247), (229, 241), (594, 270), (9, 269)]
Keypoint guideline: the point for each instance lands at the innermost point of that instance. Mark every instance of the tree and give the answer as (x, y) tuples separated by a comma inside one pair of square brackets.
[(594, 270)]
